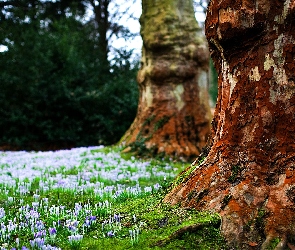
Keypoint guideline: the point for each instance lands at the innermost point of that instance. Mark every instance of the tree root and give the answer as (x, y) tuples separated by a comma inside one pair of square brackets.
[(182, 231)]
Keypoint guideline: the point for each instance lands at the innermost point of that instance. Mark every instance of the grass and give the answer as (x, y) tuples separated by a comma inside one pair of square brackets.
[(156, 223), (96, 198)]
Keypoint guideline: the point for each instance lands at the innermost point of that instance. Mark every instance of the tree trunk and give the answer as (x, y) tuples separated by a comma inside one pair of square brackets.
[(173, 116), (101, 15), (248, 175)]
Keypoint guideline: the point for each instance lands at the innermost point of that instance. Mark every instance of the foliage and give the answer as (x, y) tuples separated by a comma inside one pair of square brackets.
[(54, 89)]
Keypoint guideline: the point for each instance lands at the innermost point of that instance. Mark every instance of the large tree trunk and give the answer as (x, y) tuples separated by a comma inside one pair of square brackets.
[(173, 115), (248, 175)]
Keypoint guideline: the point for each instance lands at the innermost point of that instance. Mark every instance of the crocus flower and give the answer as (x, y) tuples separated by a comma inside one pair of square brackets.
[(75, 238), (52, 231), (87, 223), (17, 241), (117, 218), (92, 218), (40, 234), (134, 218), (110, 234), (36, 197), (37, 242), (2, 212)]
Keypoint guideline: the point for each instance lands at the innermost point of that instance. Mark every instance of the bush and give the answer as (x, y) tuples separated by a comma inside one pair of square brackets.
[(54, 92)]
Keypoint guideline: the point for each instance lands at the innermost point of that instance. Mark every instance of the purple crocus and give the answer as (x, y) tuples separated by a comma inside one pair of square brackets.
[(2, 212), (39, 234), (92, 217), (72, 225), (52, 231), (37, 242), (117, 217), (110, 234), (89, 220), (87, 223), (75, 238), (157, 186)]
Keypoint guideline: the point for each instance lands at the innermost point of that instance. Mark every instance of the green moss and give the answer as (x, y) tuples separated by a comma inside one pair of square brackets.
[(108, 149), (161, 122), (148, 120), (160, 223), (257, 224), (139, 146), (198, 196), (235, 172), (259, 220), (165, 27), (187, 172), (273, 243)]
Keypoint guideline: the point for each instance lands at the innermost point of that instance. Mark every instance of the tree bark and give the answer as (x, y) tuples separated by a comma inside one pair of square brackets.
[(173, 116), (248, 176), (101, 17)]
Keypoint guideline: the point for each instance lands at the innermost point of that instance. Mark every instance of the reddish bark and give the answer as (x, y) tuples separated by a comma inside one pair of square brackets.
[(248, 175), (173, 115)]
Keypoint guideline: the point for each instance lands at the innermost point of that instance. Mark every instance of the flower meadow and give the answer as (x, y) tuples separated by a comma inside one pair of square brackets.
[(56, 199)]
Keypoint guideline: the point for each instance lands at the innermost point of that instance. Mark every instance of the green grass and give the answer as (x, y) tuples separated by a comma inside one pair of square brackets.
[(154, 224), (157, 222)]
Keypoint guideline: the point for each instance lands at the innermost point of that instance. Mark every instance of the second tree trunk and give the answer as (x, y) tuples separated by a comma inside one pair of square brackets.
[(173, 115)]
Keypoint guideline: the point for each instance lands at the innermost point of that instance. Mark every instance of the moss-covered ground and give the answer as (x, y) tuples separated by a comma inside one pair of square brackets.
[(161, 226)]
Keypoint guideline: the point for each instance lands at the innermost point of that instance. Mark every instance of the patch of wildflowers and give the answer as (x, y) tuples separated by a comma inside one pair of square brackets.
[(77, 171)]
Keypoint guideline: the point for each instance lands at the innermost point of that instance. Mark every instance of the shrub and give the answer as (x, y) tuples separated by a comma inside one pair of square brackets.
[(54, 92)]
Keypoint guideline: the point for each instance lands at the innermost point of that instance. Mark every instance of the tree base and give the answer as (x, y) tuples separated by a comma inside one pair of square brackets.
[(168, 133), (257, 213)]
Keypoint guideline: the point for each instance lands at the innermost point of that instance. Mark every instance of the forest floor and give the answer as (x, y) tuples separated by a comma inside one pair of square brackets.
[(96, 198)]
